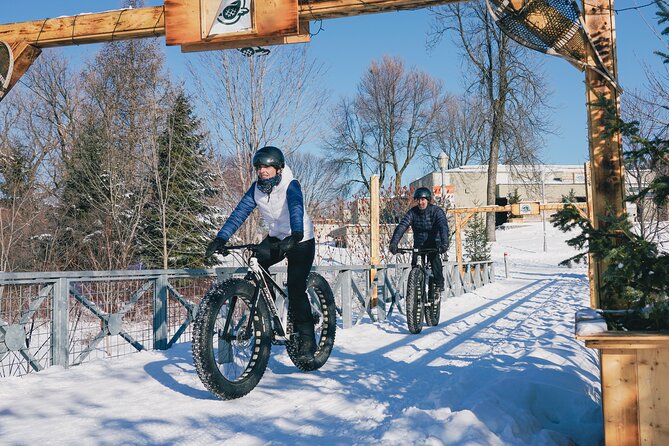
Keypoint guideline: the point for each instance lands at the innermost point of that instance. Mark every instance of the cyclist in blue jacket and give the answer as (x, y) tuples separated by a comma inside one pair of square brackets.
[(279, 198), (430, 230)]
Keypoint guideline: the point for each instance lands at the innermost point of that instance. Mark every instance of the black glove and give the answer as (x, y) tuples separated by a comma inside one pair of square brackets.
[(393, 248), (443, 249), (217, 245), (291, 241)]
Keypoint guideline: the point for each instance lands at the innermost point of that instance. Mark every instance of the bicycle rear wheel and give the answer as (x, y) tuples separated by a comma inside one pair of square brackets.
[(230, 364), (324, 313), (433, 309), (414, 300)]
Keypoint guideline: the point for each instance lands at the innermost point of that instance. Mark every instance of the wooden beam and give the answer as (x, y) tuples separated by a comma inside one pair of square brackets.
[(479, 209), (24, 56), (458, 238), (330, 9), (150, 21), (87, 28), (606, 158)]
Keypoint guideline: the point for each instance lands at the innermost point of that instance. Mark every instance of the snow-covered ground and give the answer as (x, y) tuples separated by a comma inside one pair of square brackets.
[(502, 368)]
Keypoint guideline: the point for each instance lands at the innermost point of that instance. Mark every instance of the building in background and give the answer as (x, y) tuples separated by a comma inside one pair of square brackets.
[(466, 185)]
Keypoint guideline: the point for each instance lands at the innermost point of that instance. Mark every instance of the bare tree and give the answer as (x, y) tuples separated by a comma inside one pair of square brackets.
[(38, 124), (462, 135), (257, 101), (359, 155), (321, 180), (509, 85), (396, 113), (121, 114)]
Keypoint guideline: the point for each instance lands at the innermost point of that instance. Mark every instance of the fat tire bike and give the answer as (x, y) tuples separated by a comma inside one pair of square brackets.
[(238, 320), (423, 300)]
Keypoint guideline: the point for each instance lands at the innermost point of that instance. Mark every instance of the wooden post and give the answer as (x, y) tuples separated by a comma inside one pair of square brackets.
[(458, 238), (592, 266), (374, 251), (605, 151)]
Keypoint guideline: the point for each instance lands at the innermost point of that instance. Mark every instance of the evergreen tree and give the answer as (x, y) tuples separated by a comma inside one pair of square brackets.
[(83, 196), (179, 221), (477, 244)]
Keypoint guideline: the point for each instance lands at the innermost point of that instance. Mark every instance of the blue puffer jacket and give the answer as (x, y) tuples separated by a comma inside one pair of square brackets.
[(430, 227)]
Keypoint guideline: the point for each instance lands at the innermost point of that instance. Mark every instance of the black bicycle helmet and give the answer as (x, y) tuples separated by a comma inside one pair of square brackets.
[(422, 192), (269, 156)]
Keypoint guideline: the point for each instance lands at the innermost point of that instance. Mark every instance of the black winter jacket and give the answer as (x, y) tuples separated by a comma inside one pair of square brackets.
[(430, 227)]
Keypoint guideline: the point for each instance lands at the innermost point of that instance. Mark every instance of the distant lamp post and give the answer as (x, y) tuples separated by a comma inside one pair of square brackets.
[(443, 165), (543, 201)]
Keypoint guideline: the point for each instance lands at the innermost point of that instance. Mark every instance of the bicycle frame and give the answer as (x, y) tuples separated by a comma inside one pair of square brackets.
[(422, 262), (263, 287)]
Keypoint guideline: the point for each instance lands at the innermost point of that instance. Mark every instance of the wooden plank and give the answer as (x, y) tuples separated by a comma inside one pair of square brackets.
[(87, 28), (277, 17), (592, 265), (24, 56), (458, 239), (619, 397), (182, 21), (303, 37), (558, 206), (374, 237), (653, 370), (631, 337), (330, 9), (479, 209)]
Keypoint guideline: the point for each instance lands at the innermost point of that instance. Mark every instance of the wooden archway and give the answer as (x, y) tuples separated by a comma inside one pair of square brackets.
[(27, 39)]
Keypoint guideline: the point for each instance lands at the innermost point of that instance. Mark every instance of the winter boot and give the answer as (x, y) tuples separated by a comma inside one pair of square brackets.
[(306, 340)]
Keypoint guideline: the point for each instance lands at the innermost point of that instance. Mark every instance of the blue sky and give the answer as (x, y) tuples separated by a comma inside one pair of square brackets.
[(347, 45)]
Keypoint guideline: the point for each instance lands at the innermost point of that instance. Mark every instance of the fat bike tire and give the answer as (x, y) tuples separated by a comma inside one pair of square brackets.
[(433, 309), (231, 365), (324, 312), (414, 300)]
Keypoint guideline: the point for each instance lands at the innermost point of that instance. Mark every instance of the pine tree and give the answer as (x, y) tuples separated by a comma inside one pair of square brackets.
[(81, 208), (477, 244), (179, 221)]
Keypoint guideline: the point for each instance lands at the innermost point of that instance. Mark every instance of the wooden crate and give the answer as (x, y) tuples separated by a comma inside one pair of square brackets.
[(635, 387)]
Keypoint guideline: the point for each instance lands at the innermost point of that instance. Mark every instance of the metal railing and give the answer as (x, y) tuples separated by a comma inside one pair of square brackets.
[(71, 317)]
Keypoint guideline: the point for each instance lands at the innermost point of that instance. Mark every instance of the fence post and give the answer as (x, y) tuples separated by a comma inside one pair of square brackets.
[(346, 295), (381, 283), (160, 332), (59, 322)]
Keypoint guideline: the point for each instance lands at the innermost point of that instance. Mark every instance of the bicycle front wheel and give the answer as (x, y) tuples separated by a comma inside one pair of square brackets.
[(414, 300), (433, 308), (231, 346), (324, 312)]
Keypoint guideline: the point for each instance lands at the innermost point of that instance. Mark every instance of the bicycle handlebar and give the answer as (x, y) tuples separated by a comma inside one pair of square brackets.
[(417, 250), (248, 246)]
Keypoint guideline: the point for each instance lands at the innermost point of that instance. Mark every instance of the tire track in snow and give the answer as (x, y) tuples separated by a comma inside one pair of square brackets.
[(489, 329)]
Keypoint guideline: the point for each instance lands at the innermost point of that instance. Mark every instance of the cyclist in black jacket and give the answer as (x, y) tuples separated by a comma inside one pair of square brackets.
[(430, 230)]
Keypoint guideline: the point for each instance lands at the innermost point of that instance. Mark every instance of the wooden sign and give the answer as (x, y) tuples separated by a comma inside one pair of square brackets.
[(525, 208), (192, 22)]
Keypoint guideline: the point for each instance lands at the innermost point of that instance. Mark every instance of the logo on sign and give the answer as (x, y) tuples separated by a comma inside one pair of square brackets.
[(232, 16)]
